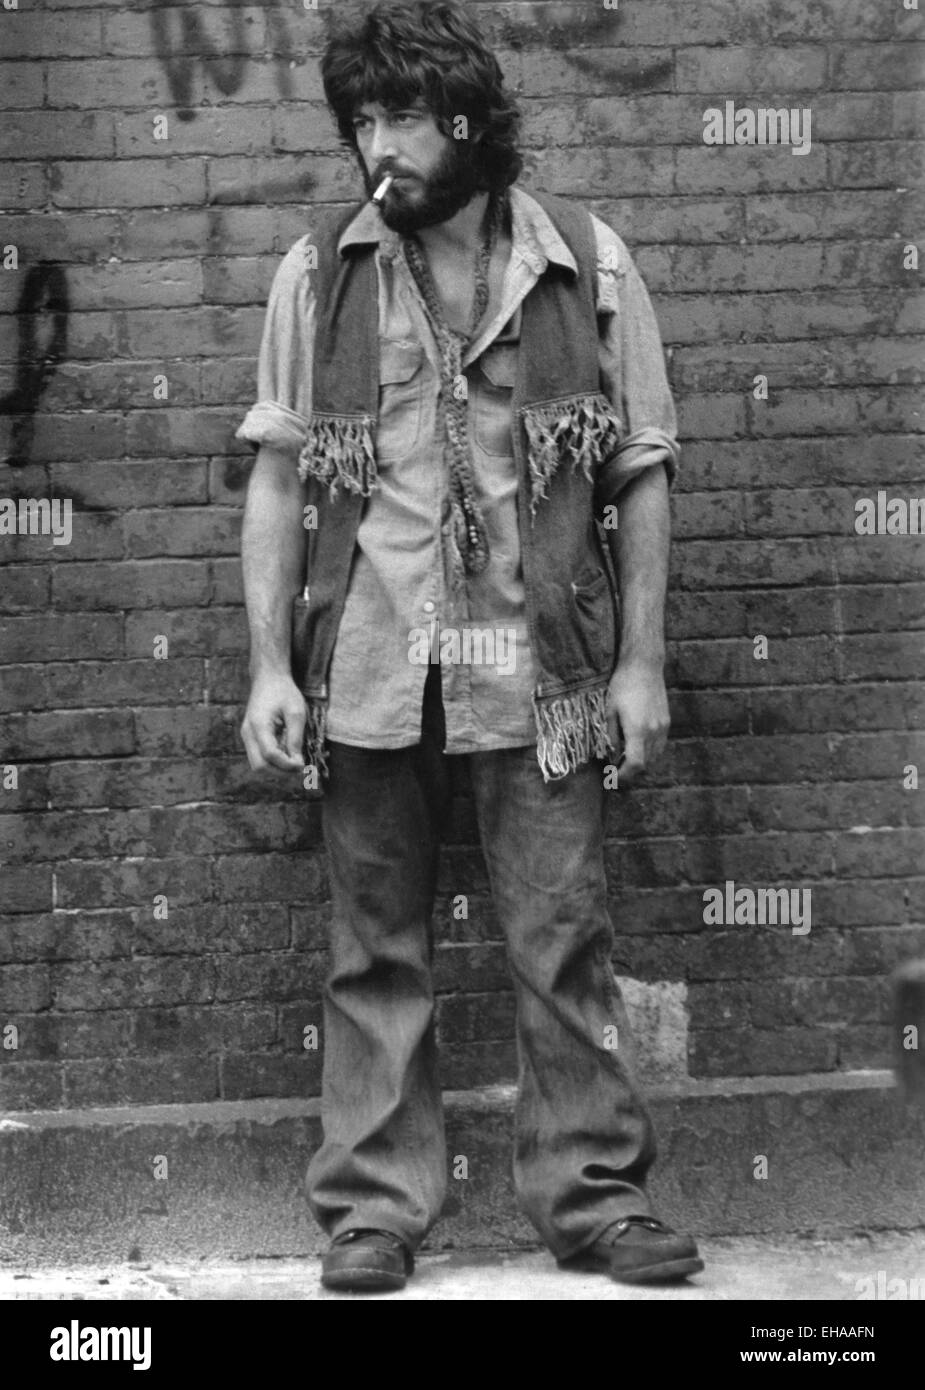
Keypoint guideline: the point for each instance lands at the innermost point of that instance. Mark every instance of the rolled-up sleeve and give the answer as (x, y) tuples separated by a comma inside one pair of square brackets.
[(633, 375), (282, 410)]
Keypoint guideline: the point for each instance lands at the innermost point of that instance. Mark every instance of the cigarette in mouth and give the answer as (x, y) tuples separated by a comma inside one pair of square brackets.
[(383, 188)]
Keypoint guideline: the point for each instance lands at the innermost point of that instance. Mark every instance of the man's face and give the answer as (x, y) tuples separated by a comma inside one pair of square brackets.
[(435, 176)]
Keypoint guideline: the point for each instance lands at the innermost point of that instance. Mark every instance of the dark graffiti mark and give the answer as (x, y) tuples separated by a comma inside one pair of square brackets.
[(179, 56), (42, 314), (644, 77), (182, 42)]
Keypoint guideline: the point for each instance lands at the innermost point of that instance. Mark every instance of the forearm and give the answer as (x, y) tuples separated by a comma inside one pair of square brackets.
[(273, 555), (639, 548)]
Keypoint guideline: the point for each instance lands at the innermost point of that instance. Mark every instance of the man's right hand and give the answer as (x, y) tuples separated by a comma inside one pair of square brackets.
[(274, 724)]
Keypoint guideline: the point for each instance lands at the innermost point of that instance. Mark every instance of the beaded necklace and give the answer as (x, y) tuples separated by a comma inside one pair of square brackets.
[(469, 551)]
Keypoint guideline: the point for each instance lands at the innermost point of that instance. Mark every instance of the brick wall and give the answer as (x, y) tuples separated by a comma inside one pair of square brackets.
[(141, 258)]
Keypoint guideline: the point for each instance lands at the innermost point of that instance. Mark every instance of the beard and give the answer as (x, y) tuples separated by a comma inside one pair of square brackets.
[(436, 199)]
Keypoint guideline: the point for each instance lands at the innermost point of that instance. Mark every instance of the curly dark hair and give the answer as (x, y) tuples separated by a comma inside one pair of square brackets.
[(431, 51)]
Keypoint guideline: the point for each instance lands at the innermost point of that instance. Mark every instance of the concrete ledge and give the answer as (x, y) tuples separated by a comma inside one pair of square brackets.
[(843, 1155)]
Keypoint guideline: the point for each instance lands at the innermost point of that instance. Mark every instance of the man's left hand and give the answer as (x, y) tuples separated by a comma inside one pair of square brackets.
[(637, 707)]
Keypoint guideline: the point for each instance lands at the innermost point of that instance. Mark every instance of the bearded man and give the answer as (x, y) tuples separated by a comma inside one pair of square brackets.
[(462, 393)]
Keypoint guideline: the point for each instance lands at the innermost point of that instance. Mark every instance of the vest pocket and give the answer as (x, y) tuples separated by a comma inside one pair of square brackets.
[(497, 370), (594, 608), (401, 384)]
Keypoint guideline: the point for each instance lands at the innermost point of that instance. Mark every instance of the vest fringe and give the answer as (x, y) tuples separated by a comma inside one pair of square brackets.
[(571, 729), (316, 726), (340, 449), (582, 427)]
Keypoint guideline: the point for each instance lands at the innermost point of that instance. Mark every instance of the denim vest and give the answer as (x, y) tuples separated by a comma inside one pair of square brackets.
[(565, 427)]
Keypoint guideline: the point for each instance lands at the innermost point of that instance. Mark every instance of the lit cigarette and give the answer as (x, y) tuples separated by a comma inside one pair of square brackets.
[(383, 188)]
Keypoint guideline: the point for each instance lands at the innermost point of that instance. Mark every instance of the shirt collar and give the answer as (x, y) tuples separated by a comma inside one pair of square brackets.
[(533, 234)]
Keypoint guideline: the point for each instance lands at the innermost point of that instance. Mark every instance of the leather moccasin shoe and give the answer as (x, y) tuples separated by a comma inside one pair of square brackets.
[(366, 1259), (639, 1250)]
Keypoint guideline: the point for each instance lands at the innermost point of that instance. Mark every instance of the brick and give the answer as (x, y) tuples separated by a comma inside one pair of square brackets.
[(476, 968), (27, 888), (293, 1018), (205, 332), (880, 949), (161, 1081), (67, 733), (240, 179), (874, 853), (190, 632), (88, 985), (67, 684), (31, 1086), (228, 479), (863, 707), (799, 1003), (22, 185), (832, 805), (20, 85), (24, 989), (879, 606), (58, 135), (883, 657), (227, 581), (876, 66), (246, 1077), (136, 284), (55, 637), (47, 1038), (76, 436), (248, 130), (94, 535), (128, 183), (125, 484), (790, 216), (65, 936), (676, 221), (270, 877), (755, 70), (765, 1052), (310, 927), (466, 1066), (719, 1005), (876, 164), (626, 167), (192, 531), (708, 514), (165, 732), (132, 584), (186, 1030), (24, 588), (118, 883), (238, 279), (785, 860), (269, 975), (475, 1018), (555, 71), (125, 82), (789, 661), (864, 1046)]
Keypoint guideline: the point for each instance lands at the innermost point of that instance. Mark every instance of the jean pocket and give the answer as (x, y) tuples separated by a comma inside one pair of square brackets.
[(494, 390), (401, 385)]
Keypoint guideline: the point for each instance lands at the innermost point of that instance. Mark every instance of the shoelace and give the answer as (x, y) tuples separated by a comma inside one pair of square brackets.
[(347, 1236), (619, 1227)]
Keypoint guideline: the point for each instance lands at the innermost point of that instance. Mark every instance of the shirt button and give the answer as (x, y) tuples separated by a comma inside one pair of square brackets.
[(429, 606)]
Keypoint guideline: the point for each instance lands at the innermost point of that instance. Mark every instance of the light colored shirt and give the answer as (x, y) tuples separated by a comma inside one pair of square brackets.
[(400, 608)]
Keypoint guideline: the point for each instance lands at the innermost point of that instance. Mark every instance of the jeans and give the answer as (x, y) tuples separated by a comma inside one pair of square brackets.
[(584, 1139)]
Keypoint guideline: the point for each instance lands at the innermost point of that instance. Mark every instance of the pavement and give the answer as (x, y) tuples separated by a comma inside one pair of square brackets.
[(881, 1265)]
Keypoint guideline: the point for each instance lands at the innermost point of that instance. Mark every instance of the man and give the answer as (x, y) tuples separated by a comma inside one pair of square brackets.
[(455, 387)]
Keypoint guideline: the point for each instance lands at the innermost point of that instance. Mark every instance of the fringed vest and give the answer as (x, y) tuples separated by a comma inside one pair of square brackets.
[(565, 427)]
